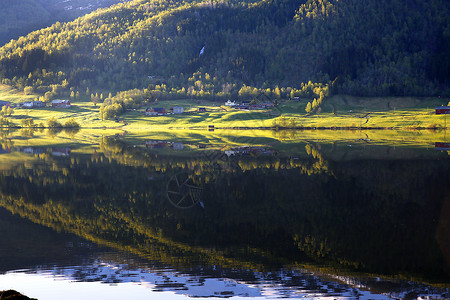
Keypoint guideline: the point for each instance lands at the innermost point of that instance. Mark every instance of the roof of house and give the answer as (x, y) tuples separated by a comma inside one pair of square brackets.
[(60, 101), (156, 109)]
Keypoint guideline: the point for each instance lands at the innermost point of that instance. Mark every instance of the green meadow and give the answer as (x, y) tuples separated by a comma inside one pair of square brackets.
[(338, 112)]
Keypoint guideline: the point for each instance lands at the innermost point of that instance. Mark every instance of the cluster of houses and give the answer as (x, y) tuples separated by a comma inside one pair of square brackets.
[(160, 111), (37, 104), (248, 105), (32, 104)]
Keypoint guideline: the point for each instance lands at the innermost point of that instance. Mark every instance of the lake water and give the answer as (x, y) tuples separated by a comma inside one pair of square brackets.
[(100, 216)]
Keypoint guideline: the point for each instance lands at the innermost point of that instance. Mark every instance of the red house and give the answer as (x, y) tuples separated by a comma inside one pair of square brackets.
[(155, 111), (443, 110), (61, 103)]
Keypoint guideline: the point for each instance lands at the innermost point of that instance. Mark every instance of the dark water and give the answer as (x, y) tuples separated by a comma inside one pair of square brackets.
[(168, 220)]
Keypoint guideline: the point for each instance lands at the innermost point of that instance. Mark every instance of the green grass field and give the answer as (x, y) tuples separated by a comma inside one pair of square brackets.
[(338, 112)]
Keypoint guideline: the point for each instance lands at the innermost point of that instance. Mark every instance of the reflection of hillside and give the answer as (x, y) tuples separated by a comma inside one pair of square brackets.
[(208, 162), (367, 216), (24, 244)]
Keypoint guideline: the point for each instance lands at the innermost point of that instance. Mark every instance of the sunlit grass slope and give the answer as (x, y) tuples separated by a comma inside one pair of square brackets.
[(338, 112)]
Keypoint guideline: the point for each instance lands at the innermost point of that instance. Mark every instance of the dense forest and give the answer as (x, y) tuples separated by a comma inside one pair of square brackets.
[(18, 18), (210, 48)]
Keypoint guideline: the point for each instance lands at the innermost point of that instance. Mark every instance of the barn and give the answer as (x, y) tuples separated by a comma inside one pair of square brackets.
[(177, 110), (155, 111), (61, 103), (443, 110)]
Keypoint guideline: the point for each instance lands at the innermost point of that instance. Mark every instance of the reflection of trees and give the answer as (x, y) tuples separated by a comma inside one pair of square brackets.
[(203, 164), (5, 140), (368, 217)]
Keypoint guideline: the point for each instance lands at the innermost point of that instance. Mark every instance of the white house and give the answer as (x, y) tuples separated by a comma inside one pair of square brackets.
[(28, 105), (177, 110), (230, 103)]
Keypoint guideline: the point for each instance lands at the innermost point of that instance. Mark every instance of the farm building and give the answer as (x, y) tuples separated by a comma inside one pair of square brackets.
[(38, 104), (267, 104), (442, 110), (61, 103), (202, 109), (27, 105), (177, 110), (33, 104), (155, 111), (230, 103)]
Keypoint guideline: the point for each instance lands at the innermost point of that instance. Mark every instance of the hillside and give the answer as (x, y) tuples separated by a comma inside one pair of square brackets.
[(21, 17), (370, 48)]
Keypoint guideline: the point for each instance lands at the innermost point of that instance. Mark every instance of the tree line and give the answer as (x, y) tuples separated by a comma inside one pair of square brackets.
[(400, 49)]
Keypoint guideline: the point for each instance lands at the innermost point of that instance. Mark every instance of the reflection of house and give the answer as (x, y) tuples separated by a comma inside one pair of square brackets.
[(246, 150), (61, 103), (31, 150), (177, 110), (4, 103), (155, 144), (177, 146), (4, 150), (155, 111), (202, 109), (442, 146), (230, 153), (61, 151)]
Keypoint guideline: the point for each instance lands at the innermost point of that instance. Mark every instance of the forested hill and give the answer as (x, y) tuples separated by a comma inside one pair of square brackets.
[(371, 47), (21, 17)]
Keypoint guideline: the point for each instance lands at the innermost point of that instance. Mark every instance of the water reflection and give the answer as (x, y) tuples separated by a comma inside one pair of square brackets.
[(297, 220), (222, 283)]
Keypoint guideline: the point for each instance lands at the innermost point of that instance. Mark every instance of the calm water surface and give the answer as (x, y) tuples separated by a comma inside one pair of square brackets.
[(136, 219)]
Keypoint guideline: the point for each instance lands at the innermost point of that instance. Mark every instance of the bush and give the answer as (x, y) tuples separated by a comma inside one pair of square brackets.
[(53, 123), (71, 123), (28, 90), (29, 122)]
